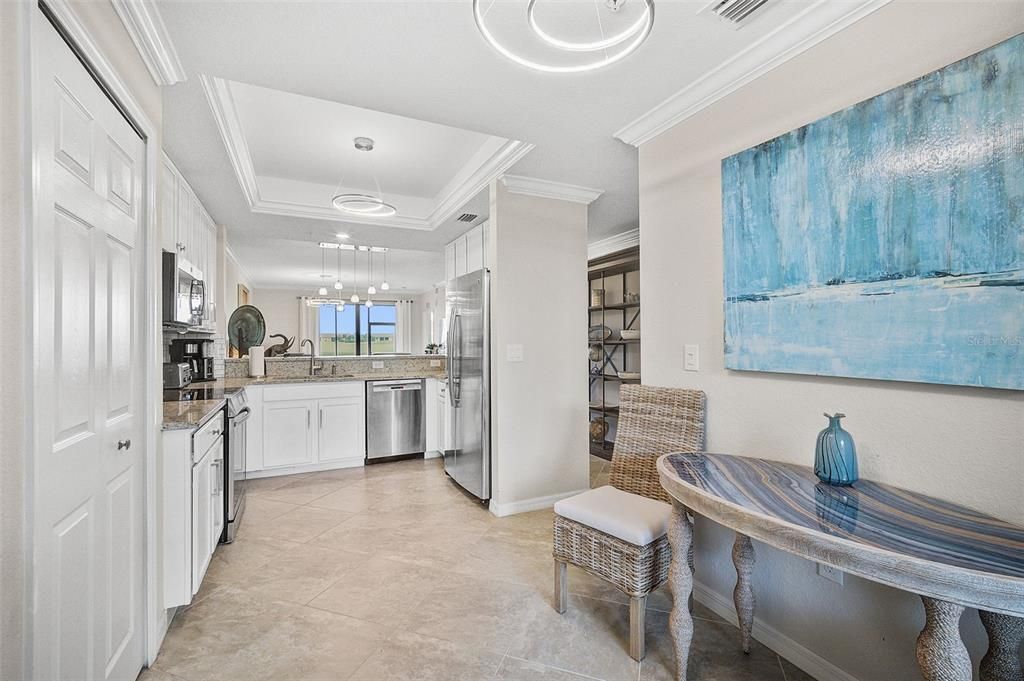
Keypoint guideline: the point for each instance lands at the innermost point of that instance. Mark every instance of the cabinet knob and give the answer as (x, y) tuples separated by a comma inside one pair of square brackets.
[(124, 444)]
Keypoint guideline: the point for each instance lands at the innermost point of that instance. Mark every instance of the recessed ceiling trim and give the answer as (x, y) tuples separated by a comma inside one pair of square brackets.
[(145, 26), (218, 92), (818, 22), (493, 161), (546, 189)]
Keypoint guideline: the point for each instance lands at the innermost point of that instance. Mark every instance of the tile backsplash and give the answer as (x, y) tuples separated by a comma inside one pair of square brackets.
[(412, 365)]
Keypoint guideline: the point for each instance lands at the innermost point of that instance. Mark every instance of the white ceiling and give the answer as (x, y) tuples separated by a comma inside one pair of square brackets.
[(310, 139), (423, 60)]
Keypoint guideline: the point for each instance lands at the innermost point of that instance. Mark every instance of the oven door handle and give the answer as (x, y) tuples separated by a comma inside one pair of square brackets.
[(242, 416)]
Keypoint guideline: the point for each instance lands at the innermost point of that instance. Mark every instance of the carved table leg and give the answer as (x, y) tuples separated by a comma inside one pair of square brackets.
[(690, 560), (743, 594), (680, 579), (941, 653), (1005, 634)]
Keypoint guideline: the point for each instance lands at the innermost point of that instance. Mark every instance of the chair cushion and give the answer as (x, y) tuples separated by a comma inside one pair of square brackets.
[(630, 517)]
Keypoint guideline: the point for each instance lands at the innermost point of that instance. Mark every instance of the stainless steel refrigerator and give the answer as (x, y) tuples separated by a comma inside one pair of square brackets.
[(467, 459)]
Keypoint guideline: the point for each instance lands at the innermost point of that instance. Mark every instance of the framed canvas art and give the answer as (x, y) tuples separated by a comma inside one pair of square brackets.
[(886, 241)]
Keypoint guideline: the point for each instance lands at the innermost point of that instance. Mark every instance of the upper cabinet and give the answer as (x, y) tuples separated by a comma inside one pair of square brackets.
[(188, 230), (466, 254)]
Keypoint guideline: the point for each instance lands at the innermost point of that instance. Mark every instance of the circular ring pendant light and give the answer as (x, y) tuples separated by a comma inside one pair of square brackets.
[(630, 39), (365, 205)]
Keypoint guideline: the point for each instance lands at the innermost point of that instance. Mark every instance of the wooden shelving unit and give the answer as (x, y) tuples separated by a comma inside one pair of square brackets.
[(615, 274)]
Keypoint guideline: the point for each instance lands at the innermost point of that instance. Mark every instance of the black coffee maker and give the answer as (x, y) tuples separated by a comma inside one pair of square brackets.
[(198, 354)]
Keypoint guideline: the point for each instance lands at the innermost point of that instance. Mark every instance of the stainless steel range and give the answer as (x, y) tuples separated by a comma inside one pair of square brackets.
[(234, 467)]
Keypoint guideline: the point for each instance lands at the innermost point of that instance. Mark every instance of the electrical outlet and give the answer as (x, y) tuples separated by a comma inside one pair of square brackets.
[(435, 362), (830, 573), (377, 365), (691, 358)]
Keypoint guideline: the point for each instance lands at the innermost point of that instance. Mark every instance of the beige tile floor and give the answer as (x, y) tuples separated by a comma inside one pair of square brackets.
[(391, 572)]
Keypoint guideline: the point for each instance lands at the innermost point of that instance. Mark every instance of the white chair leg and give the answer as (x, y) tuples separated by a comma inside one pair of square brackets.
[(637, 629), (561, 586)]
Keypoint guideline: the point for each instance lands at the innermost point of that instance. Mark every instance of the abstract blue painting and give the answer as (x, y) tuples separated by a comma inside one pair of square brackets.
[(886, 241)]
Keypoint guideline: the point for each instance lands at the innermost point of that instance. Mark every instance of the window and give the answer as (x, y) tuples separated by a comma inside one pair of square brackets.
[(377, 329)]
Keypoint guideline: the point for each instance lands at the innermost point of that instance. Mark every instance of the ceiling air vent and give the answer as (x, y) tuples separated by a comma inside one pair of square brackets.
[(467, 217), (733, 12)]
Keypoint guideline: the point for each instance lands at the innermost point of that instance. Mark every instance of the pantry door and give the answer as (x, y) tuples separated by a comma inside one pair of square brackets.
[(87, 508)]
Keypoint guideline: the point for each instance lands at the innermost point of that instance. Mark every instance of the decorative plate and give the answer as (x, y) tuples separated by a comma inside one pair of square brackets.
[(246, 328), (600, 332)]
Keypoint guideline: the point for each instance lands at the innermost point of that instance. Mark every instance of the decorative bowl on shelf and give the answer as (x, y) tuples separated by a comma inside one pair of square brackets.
[(598, 429), (630, 334), (595, 353), (629, 375), (600, 332)]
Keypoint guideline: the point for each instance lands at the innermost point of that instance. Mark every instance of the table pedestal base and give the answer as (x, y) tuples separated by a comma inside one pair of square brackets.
[(941, 653), (1005, 634), (743, 594), (680, 580)]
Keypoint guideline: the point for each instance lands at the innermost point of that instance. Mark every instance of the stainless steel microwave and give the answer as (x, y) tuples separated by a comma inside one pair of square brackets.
[(184, 294)]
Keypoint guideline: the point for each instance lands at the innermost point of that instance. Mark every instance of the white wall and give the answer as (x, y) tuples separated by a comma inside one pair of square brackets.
[(538, 257), (956, 443), (280, 308), (231, 274)]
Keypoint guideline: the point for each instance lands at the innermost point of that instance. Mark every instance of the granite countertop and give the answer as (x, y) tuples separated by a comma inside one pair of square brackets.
[(191, 414)]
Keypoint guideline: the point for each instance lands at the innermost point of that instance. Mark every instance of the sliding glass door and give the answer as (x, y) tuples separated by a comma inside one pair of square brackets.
[(376, 330)]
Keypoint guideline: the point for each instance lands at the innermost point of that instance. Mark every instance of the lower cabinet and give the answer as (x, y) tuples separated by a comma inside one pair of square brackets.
[(191, 498), (342, 422), (202, 523), (320, 425), (287, 433)]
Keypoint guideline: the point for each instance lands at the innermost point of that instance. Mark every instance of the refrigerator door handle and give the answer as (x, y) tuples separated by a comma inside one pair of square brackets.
[(455, 392), (450, 357)]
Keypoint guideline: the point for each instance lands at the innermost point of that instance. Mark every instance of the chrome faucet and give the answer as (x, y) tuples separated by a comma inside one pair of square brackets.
[(314, 367)]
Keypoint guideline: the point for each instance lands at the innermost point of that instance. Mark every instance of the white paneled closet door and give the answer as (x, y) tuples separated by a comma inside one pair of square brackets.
[(88, 510)]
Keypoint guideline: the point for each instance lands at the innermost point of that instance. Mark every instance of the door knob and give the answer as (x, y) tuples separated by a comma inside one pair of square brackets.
[(124, 444)]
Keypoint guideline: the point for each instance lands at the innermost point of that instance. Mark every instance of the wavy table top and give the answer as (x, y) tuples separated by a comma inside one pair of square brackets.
[(880, 532)]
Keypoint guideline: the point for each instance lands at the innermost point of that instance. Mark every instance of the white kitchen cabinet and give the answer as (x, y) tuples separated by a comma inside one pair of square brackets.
[(191, 506), (288, 433), (342, 423), (432, 418), (168, 207), (449, 262), (202, 524), (466, 254), (312, 427)]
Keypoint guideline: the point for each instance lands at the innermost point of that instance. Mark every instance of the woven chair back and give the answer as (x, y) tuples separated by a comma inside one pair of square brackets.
[(654, 421)]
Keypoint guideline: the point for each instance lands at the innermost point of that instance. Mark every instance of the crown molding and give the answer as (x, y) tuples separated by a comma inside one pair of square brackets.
[(466, 185), (225, 115), (146, 28), (614, 244), (546, 189), (820, 21)]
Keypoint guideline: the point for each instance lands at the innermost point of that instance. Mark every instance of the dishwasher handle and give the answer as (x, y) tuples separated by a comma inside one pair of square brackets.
[(397, 386)]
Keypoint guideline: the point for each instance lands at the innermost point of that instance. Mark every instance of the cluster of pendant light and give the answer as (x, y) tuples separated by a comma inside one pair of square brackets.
[(371, 289), (609, 49)]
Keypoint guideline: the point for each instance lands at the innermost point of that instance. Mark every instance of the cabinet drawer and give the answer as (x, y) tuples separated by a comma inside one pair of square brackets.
[(207, 436)]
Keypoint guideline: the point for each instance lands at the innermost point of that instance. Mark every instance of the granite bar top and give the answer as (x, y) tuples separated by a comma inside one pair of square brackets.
[(191, 414)]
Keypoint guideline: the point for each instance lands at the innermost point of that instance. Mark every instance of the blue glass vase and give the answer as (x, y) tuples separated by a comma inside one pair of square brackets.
[(835, 456)]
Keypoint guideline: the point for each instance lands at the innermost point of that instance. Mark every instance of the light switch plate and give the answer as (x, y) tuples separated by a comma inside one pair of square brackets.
[(691, 358), (514, 353), (377, 365), (435, 362), (830, 573)]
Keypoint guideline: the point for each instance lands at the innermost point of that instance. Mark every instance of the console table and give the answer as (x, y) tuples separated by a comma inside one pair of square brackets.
[(952, 556)]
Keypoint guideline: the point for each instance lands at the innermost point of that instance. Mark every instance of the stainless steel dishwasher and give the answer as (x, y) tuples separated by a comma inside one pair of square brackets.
[(395, 418)]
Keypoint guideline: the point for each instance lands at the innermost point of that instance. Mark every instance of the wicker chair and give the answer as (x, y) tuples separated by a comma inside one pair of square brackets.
[(617, 533)]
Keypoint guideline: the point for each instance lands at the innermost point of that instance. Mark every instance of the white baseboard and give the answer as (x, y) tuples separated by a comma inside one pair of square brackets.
[(534, 504), (805, 659), (434, 454), (351, 462)]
